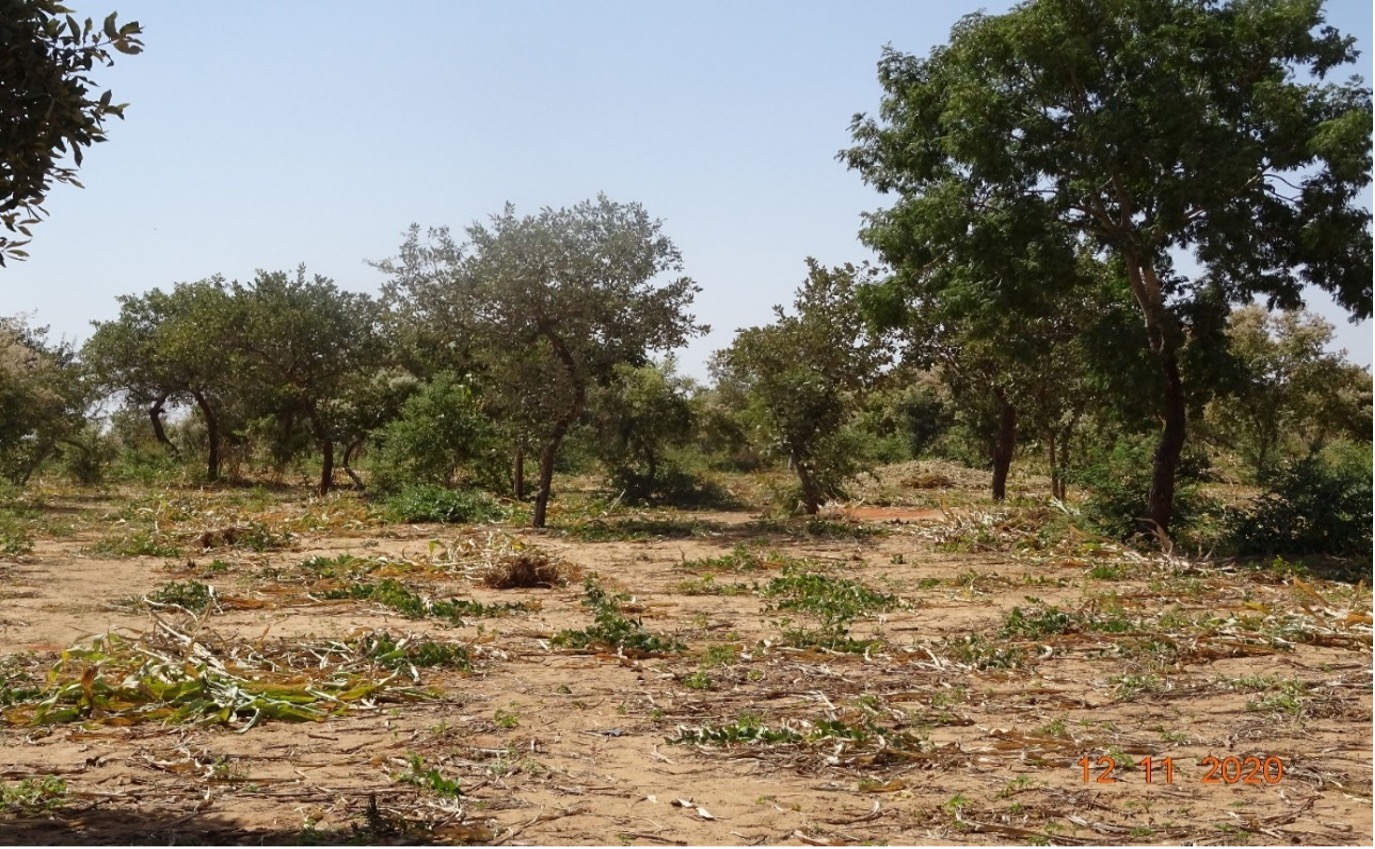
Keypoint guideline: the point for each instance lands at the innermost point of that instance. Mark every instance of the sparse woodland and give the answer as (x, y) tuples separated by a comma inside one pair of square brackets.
[(1069, 472)]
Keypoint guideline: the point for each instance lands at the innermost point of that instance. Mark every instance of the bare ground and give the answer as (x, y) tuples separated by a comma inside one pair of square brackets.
[(1009, 671)]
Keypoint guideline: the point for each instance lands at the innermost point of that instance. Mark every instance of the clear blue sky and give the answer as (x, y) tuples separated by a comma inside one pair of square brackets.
[(268, 134)]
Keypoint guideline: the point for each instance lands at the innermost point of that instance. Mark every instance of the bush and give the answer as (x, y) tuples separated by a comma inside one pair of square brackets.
[(437, 504), (87, 456), (1320, 504), (1118, 480), (440, 428)]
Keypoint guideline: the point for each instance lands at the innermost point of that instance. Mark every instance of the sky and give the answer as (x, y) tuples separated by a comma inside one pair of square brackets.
[(264, 135)]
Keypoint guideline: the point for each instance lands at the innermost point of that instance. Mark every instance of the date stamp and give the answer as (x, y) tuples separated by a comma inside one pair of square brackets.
[(1251, 769)]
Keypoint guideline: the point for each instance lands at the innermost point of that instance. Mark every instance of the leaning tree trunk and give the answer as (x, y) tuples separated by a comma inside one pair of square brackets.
[(561, 425), (349, 453), (1004, 446), (212, 435), (159, 433)]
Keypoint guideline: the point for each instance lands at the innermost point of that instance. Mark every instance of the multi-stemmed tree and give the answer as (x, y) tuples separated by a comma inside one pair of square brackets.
[(543, 307)]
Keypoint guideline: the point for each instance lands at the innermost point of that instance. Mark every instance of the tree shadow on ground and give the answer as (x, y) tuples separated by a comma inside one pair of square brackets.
[(101, 825)]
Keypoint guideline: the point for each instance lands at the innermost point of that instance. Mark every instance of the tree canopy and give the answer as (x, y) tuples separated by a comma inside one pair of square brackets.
[(544, 306), (1144, 132), (802, 375), (49, 105)]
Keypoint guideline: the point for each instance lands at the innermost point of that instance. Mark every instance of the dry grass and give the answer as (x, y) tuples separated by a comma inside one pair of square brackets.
[(529, 568)]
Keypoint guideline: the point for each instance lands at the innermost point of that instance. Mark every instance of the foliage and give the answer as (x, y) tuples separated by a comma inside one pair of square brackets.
[(437, 504), (744, 558), (47, 104), (544, 307), (33, 796), (978, 651), (1291, 393), (430, 779), (611, 630), (640, 527), (1116, 481), (137, 542), (1320, 504), (389, 652), (15, 538), (42, 400), (169, 348), (304, 348), (439, 429), (915, 413), (642, 411), (833, 602), (1130, 132), (192, 596), (800, 378), (119, 682), (391, 593)]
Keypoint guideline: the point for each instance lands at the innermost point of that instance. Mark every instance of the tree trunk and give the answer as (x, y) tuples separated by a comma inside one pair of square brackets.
[(811, 499), (1057, 480), (546, 480), (1004, 447), (155, 416), (518, 472), (212, 435), (349, 454), (326, 466), (1160, 331), (1160, 500)]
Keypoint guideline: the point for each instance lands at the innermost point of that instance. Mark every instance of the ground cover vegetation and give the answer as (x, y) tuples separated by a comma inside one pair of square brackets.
[(1078, 427)]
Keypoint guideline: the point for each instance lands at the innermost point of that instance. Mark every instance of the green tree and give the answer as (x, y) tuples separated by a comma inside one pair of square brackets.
[(641, 413), (1138, 131), (303, 348), (804, 375), (439, 429), (166, 349), (48, 106), (42, 399), (546, 306), (1292, 395)]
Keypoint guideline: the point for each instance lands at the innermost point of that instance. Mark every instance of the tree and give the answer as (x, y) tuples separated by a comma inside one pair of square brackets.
[(47, 104), (642, 412), (803, 376), (169, 348), (304, 348), (42, 400), (1291, 395), (1139, 131), (546, 306)]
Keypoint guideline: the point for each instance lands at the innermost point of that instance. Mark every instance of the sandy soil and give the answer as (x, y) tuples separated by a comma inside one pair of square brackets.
[(914, 741)]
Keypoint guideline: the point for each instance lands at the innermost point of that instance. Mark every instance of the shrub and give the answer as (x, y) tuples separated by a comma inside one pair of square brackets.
[(437, 504), (440, 428), (1320, 504), (1118, 480)]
